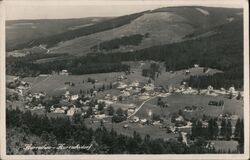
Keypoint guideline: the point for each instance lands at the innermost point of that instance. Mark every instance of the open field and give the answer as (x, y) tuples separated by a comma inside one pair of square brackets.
[(174, 79), (225, 145), (143, 130), (54, 84), (177, 102)]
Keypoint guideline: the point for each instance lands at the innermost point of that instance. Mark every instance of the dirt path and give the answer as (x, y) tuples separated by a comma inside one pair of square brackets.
[(142, 105)]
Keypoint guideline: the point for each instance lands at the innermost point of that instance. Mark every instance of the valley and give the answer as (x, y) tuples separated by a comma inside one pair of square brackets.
[(166, 81)]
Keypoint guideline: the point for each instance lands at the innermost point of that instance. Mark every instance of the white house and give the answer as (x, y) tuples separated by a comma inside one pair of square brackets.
[(59, 110), (64, 72), (74, 97), (122, 85), (67, 94), (232, 90), (125, 93), (196, 65), (143, 121), (71, 111), (134, 84), (114, 98), (179, 119), (149, 87), (187, 72), (135, 119), (64, 107), (107, 102), (210, 88)]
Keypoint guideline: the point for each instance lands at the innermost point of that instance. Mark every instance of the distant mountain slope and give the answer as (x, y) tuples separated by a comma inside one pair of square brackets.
[(78, 32), (20, 31), (163, 26), (204, 17)]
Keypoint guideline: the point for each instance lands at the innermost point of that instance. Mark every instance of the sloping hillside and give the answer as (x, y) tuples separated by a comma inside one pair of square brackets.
[(163, 26), (20, 31), (52, 40)]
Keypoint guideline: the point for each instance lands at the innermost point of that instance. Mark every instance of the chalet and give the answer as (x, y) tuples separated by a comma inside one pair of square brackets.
[(107, 102), (59, 110), (74, 97), (204, 124), (65, 108), (179, 119), (149, 87), (107, 96), (188, 109), (94, 93), (37, 95), (232, 90), (135, 119), (100, 116), (134, 84), (42, 94), (25, 84), (67, 94), (125, 126), (131, 110), (128, 88), (144, 97), (210, 89), (187, 72), (155, 123), (64, 73), (21, 88), (196, 65), (222, 89), (122, 85), (120, 78), (143, 121), (114, 98), (72, 111), (52, 108), (26, 107), (125, 93)]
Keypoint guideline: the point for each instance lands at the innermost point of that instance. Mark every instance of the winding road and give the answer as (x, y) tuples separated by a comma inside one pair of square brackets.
[(142, 105)]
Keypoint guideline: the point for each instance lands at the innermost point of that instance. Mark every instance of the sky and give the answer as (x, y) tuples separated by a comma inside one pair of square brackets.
[(63, 9)]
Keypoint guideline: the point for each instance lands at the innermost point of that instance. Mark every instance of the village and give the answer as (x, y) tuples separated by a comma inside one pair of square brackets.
[(122, 103)]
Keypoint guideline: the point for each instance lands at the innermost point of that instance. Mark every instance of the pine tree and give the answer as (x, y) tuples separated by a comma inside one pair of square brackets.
[(228, 130), (210, 129), (241, 137), (194, 129), (215, 129), (223, 128), (238, 96), (237, 128)]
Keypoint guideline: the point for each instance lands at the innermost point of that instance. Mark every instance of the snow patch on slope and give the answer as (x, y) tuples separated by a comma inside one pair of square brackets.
[(203, 11), (230, 19)]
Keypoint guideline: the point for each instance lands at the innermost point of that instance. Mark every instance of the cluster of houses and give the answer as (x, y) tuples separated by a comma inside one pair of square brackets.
[(136, 89), (18, 85), (183, 89)]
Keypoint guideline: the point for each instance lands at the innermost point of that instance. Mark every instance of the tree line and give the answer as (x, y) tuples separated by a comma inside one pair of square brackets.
[(53, 131), (118, 42), (225, 131)]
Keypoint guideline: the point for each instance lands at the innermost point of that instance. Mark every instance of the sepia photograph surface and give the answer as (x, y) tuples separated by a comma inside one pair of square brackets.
[(117, 79)]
